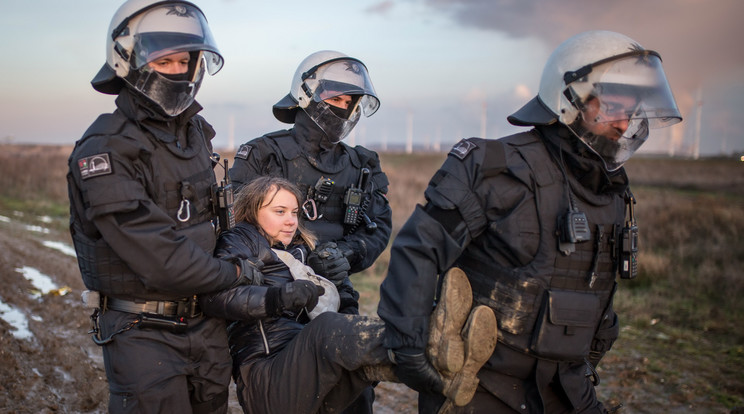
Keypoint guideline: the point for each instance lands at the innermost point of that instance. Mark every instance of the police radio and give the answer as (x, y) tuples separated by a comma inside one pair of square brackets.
[(629, 243), (573, 227), (223, 204), (353, 199)]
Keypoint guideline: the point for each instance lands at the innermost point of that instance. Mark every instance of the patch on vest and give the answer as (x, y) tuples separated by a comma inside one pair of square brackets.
[(462, 149), (243, 151), (95, 165)]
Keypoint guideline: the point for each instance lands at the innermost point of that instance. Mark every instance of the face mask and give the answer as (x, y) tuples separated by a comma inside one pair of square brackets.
[(172, 93), (335, 126), (176, 77)]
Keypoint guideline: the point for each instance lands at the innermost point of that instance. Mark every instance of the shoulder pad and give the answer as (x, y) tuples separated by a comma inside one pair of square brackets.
[(494, 161), (205, 127), (361, 156), (463, 148), (286, 144), (106, 124), (262, 145), (277, 134)]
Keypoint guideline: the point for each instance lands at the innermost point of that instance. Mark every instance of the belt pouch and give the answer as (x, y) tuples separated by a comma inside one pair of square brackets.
[(566, 325)]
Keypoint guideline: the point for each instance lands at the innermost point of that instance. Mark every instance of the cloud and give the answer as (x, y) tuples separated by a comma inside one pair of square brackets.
[(695, 38), (381, 8), (699, 41)]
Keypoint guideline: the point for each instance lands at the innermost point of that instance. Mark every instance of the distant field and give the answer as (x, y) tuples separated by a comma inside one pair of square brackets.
[(681, 348)]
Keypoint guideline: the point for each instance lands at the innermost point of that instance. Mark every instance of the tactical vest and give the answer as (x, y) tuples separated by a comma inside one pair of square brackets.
[(551, 307), (181, 183), (297, 168)]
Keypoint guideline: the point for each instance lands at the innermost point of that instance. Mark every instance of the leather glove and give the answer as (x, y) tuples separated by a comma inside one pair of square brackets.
[(414, 369), (329, 261), (292, 296)]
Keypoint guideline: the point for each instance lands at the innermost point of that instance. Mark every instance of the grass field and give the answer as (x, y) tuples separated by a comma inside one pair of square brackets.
[(681, 347)]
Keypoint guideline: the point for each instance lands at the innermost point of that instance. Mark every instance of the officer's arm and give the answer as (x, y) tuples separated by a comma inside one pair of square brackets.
[(143, 235), (164, 260), (426, 246)]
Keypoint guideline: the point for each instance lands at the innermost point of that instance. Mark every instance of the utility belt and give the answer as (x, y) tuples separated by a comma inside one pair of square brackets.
[(185, 308), (163, 314)]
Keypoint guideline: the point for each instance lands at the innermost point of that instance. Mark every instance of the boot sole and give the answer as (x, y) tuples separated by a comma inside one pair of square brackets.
[(480, 334), (446, 348)]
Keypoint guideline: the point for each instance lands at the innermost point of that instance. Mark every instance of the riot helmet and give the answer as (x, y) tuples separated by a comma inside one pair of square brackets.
[(321, 78), (608, 90), (144, 31)]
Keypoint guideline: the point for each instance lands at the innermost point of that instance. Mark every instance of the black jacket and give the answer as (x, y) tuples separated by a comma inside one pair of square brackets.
[(495, 210), (252, 333), (302, 155), (140, 204)]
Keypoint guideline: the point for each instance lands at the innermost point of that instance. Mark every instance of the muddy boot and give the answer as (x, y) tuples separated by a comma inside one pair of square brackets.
[(446, 349), (480, 335)]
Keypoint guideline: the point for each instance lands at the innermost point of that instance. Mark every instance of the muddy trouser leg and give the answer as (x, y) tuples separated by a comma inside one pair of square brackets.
[(363, 404), (154, 370), (318, 371), (483, 402)]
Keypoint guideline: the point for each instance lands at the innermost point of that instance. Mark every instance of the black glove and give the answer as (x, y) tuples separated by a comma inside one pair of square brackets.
[(414, 369), (251, 268), (293, 296), (250, 273), (329, 261)]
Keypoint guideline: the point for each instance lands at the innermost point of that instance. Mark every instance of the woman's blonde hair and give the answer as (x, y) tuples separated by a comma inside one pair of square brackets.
[(260, 192)]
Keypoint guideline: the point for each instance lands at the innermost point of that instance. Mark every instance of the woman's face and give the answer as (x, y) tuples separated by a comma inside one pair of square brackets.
[(278, 219)]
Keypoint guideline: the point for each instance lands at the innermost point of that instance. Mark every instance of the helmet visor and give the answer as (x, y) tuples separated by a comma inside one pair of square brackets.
[(342, 77), (618, 101), (173, 28), (633, 87)]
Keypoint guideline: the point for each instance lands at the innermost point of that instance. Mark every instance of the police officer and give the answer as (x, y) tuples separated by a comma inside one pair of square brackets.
[(344, 187), (542, 223), (140, 185)]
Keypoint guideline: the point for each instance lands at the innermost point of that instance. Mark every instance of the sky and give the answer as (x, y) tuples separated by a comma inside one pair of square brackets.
[(443, 69)]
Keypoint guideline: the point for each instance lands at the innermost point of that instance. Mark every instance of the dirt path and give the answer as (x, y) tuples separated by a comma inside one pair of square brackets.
[(48, 363)]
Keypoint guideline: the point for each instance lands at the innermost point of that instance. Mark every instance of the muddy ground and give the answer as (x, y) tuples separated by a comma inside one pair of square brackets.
[(55, 368)]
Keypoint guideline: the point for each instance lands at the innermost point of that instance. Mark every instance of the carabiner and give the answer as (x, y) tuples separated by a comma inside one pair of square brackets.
[(314, 216), (187, 205)]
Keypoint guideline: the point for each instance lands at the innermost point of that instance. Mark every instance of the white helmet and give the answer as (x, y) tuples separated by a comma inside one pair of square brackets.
[(323, 75), (598, 79), (143, 31)]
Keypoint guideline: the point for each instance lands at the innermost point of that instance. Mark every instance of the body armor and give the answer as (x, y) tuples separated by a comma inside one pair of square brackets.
[(182, 187), (554, 291), (278, 154)]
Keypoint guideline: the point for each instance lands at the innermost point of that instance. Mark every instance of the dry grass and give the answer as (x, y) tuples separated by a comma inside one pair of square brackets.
[(681, 343)]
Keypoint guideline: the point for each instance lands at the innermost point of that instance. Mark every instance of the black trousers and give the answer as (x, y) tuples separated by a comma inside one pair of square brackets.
[(156, 371), (319, 371)]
